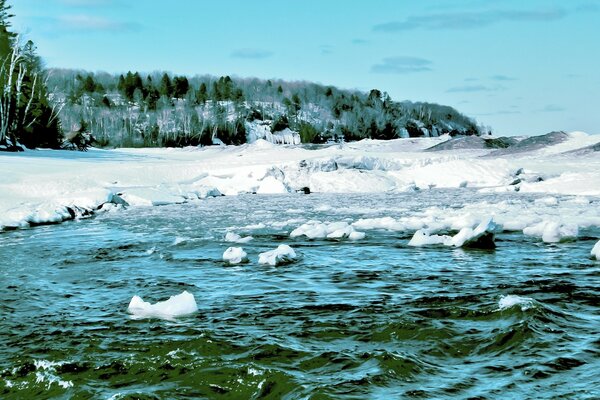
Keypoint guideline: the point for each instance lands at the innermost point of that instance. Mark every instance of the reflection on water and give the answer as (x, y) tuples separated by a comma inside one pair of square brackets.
[(367, 319)]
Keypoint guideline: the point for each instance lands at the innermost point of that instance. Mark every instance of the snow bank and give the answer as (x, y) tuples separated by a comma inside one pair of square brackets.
[(552, 231), (332, 230), (150, 197), (176, 306), (482, 237), (235, 238), (596, 251), (49, 186), (235, 255), (283, 254), (511, 300)]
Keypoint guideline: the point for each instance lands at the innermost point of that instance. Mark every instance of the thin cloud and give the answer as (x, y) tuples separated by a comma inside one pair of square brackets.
[(502, 78), (90, 23), (468, 20), (251, 54), (402, 65), (326, 49), (473, 89), (359, 41), (87, 3), (552, 108)]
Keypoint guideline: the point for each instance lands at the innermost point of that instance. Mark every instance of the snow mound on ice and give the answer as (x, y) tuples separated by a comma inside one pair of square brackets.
[(178, 305), (332, 230), (150, 197), (271, 185), (235, 255), (596, 251), (511, 300), (552, 231), (283, 254), (233, 237), (481, 237)]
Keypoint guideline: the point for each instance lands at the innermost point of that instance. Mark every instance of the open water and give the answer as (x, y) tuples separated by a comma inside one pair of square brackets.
[(372, 319)]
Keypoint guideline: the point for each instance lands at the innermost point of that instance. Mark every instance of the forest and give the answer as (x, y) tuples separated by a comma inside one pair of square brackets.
[(160, 109)]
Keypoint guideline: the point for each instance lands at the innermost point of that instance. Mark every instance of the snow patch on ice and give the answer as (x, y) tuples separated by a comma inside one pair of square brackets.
[(176, 306)]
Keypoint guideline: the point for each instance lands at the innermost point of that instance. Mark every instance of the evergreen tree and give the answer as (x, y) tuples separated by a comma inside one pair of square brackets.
[(166, 87), (180, 86)]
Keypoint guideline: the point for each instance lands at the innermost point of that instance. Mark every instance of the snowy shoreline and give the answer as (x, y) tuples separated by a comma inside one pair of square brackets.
[(49, 186)]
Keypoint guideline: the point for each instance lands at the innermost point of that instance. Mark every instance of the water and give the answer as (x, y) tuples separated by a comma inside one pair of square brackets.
[(372, 319)]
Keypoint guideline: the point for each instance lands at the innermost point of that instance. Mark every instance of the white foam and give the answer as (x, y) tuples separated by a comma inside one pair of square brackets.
[(176, 306), (283, 254), (235, 255), (596, 251), (511, 300)]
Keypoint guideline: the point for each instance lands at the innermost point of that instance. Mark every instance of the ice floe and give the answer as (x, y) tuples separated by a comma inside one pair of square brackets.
[(176, 306), (552, 231), (596, 251), (283, 254), (235, 255), (482, 236)]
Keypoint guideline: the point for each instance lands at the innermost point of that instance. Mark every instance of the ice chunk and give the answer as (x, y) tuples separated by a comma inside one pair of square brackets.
[(319, 230), (423, 238), (547, 201), (482, 237), (512, 300), (235, 238), (552, 231), (596, 251), (235, 255), (283, 254), (181, 304), (271, 185), (388, 223), (356, 235)]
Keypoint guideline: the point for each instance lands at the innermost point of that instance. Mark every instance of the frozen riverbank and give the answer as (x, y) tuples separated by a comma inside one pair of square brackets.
[(38, 187)]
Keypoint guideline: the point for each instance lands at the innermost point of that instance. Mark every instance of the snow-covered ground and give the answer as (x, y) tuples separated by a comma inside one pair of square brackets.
[(45, 186)]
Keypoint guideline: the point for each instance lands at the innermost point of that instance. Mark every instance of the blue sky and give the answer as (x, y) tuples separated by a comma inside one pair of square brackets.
[(522, 67)]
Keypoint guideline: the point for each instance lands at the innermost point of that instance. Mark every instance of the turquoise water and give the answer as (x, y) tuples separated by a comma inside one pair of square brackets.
[(373, 319)]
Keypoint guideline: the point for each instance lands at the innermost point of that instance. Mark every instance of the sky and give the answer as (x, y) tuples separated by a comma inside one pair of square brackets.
[(520, 67)]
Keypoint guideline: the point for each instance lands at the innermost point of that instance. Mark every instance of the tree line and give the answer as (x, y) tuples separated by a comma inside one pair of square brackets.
[(27, 116), (161, 109)]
